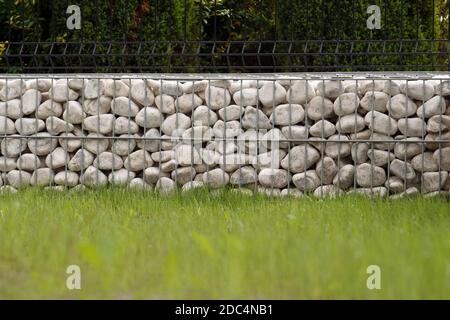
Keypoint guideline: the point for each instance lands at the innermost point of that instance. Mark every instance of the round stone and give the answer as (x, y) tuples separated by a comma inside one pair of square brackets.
[(18, 178), (98, 106), (375, 101), (417, 90), (274, 178), (124, 125), (115, 88), (121, 177), (434, 106), (62, 93), (300, 158), (31, 99), (175, 124), (380, 157), (330, 88), (246, 97), (322, 128), (370, 175), (336, 147), (272, 94), (300, 92), (67, 178), (350, 124), (381, 123), (306, 181), (255, 119), (344, 178), (244, 175), (402, 169), (204, 116), (149, 117), (326, 169), (73, 112), (49, 108), (95, 143), (93, 177), (165, 104), (125, 145), (11, 109), (187, 103), (42, 177), (346, 104), (216, 178), (217, 98), (28, 162), (412, 127), (108, 161), (93, 88), (125, 107), (142, 94), (138, 160), (287, 114), (400, 106), (56, 126), (7, 126), (319, 108), (165, 185), (58, 158), (13, 146), (151, 141), (80, 160), (153, 174), (232, 112), (103, 123)]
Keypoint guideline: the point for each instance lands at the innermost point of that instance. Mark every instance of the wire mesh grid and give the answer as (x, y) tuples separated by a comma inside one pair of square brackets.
[(279, 134)]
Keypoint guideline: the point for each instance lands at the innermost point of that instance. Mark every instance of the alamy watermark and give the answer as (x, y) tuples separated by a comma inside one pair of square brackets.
[(73, 22), (374, 20), (374, 280), (73, 281)]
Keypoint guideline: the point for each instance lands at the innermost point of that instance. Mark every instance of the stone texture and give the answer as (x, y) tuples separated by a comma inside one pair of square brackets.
[(217, 98), (370, 176), (278, 138), (300, 92), (319, 108), (400, 106), (346, 103), (149, 117), (417, 90), (287, 114), (274, 178), (272, 94), (300, 158)]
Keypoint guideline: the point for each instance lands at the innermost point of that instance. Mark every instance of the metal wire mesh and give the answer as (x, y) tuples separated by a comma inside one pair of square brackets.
[(289, 134)]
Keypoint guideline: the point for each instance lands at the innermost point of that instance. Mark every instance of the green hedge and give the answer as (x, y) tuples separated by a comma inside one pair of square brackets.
[(168, 20)]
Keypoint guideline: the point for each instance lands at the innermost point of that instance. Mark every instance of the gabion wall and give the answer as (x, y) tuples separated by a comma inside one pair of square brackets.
[(383, 135)]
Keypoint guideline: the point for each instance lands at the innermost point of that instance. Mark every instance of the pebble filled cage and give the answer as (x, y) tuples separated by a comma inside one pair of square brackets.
[(374, 125)]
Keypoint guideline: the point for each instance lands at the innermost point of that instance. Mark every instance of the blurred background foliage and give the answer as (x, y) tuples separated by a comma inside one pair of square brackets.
[(197, 33)]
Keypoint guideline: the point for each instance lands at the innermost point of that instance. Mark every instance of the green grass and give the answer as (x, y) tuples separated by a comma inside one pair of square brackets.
[(132, 244)]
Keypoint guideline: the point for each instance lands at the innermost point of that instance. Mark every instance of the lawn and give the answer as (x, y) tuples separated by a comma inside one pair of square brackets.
[(131, 244)]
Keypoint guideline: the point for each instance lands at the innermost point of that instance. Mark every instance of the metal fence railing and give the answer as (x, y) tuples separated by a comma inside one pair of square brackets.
[(386, 134)]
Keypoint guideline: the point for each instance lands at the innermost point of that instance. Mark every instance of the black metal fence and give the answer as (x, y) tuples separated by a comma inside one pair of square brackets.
[(224, 36)]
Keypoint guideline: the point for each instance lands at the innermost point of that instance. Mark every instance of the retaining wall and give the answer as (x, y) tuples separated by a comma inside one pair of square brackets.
[(328, 134)]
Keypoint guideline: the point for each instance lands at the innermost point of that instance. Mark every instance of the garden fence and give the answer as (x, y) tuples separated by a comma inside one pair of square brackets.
[(327, 134), (279, 97)]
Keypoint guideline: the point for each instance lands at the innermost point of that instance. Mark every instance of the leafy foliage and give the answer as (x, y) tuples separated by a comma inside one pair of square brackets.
[(405, 39)]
